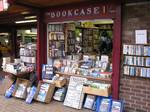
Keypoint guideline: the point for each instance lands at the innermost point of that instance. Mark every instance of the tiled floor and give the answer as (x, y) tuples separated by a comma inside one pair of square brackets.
[(18, 105)]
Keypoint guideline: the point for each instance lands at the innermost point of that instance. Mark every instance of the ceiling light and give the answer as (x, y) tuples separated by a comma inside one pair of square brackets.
[(26, 21), (25, 12), (29, 17)]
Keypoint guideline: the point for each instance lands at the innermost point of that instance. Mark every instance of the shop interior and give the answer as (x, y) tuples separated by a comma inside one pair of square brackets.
[(75, 41)]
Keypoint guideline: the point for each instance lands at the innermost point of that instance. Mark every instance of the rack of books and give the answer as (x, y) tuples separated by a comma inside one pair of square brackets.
[(71, 41), (56, 40), (136, 60), (28, 53)]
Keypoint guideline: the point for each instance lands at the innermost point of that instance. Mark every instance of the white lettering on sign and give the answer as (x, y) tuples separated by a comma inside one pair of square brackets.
[(89, 11), (96, 10), (74, 12), (64, 13)]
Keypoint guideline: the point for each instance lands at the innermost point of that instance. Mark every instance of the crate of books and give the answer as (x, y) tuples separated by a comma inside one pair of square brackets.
[(98, 89), (44, 92), (60, 82), (21, 88)]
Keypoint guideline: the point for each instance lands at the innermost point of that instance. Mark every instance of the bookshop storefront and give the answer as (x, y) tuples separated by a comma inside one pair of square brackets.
[(79, 32)]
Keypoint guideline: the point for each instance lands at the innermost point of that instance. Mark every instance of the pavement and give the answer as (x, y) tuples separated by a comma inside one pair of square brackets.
[(18, 105)]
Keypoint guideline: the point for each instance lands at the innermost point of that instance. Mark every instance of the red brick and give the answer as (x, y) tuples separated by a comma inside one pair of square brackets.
[(142, 87), (136, 90), (140, 95), (136, 98)]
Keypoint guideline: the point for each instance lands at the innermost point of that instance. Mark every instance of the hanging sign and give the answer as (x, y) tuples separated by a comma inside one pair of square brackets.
[(3, 5)]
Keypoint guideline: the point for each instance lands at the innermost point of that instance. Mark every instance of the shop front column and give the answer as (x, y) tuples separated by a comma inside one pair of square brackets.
[(41, 44), (116, 53)]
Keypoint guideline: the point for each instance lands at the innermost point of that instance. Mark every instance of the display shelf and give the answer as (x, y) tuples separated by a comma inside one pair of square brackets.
[(107, 80), (18, 75), (56, 42)]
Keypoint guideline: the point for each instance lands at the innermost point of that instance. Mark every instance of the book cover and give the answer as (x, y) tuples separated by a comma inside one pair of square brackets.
[(143, 72), (148, 72), (148, 61), (105, 105), (117, 106)]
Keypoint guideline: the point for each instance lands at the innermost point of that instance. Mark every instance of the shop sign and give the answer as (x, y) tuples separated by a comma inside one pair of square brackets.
[(77, 12)]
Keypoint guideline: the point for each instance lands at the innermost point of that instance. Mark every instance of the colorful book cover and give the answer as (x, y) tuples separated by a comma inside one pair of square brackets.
[(117, 106), (105, 105)]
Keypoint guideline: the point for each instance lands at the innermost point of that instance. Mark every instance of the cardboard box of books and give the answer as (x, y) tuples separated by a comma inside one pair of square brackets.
[(21, 88), (44, 92), (97, 91), (60, 82), (5, 83)]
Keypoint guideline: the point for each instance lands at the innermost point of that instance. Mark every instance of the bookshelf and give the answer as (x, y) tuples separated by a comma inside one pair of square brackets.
[(56, 44), (136, 60), (71, 41)]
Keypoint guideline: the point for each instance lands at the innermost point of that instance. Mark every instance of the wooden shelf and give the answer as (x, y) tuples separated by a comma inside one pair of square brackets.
[(27, 56), (137, 66), (135, 55), (19, 75), (136, 76), (136, 44), (107, 80)]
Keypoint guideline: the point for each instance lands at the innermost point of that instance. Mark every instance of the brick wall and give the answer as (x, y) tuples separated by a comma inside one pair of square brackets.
[(133, 90)]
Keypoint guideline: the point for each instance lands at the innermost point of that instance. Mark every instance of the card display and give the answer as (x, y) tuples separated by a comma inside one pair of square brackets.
[(136, 60)]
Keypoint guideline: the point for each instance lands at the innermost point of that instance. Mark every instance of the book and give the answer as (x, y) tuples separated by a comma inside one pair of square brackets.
[(147, 62), (132, 71), (126, 70), (143, 72), (148, 72), (117, 106), (105, 105)]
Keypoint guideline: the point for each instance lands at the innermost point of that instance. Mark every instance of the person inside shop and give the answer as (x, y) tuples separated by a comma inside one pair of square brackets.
[(105, 46)]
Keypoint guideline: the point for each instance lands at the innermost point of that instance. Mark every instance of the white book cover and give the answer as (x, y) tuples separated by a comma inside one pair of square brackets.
[(148, 51), (148, 72), (125, 49), (126, 70), (143, 72)]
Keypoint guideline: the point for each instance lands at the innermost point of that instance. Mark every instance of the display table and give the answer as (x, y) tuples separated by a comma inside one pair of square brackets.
[(106, 80)]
